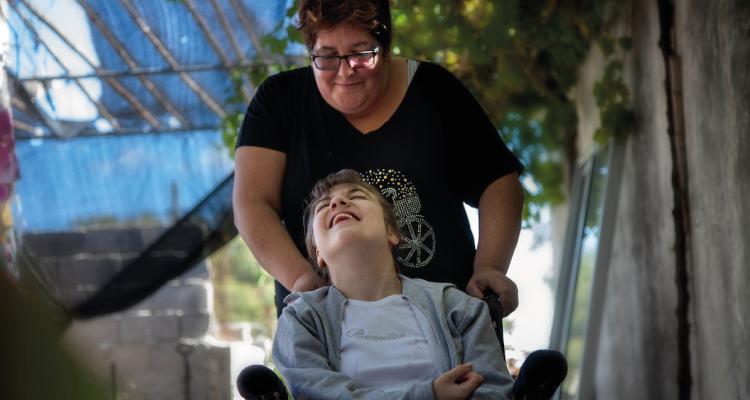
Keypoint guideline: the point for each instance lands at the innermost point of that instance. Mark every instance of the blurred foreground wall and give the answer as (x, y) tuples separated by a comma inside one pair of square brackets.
[(9, 171), (639, 353), (158, 349)]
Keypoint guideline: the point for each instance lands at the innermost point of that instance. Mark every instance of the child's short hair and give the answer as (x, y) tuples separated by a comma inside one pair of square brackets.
[(323, 188)]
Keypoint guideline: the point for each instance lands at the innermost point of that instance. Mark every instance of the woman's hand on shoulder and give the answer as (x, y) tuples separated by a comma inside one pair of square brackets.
[(259, 176), (307, 281)]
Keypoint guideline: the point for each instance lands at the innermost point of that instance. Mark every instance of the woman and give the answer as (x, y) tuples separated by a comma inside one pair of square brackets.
[(410, 128)]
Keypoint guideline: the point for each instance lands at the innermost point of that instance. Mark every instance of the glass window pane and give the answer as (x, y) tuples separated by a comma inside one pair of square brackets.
[(588, 247), (528, 328)]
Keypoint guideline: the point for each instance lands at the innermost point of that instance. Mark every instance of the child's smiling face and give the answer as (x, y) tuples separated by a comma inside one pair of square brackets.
[(345, 215)]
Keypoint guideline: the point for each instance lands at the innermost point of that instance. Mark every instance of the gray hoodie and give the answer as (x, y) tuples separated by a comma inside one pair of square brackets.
[(307, 343)]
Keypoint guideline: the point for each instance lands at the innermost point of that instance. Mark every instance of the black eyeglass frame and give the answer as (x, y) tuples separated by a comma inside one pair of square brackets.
[(347, 57)]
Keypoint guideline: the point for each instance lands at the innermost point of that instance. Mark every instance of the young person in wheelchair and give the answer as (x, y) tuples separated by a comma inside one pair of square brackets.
[(374, 333)]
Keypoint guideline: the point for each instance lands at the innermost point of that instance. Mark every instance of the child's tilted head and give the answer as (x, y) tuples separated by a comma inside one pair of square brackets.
[(342, 198)]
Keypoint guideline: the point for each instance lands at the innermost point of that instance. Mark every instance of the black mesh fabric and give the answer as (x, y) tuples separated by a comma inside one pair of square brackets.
[(202, 231)]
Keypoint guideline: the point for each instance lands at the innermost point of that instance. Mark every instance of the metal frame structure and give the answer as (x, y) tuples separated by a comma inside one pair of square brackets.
[(130, 61), (230, 56)]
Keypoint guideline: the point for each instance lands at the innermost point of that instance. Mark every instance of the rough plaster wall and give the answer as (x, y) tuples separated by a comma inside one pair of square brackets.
[(638, 345), (713, 41)]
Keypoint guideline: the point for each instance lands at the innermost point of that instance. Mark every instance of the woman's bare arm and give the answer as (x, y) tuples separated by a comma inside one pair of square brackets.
[(259, 174), (500, 209)]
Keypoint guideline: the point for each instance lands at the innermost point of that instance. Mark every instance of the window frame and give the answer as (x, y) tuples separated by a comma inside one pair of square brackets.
[(580, 203)]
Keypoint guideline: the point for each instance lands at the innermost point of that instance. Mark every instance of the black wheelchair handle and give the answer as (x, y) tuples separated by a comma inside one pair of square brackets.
[(496, 312)]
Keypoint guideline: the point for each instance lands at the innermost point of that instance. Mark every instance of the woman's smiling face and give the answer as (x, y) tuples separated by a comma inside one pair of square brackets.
[(348, 213), (352, 91)]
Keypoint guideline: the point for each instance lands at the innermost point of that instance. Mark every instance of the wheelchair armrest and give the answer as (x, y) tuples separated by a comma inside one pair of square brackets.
[(258, 382), (543, 370), (541, 374)]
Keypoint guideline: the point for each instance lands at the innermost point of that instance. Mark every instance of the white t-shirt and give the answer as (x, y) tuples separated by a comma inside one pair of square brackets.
[(383, 343)]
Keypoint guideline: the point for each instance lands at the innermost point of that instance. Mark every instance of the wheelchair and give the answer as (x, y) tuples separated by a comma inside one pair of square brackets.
[(538, 379)]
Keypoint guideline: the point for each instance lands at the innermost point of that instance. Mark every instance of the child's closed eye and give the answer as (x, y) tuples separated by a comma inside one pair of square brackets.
[(321, 206)]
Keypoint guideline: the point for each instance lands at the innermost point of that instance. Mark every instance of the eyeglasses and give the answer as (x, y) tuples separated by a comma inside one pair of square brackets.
[(355, 60)]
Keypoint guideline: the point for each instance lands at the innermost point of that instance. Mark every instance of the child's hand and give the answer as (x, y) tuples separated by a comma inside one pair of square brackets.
[(458, 383)]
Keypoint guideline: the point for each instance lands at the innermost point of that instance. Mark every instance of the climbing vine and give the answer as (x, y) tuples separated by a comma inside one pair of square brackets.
[(612, 94), (520, 58)]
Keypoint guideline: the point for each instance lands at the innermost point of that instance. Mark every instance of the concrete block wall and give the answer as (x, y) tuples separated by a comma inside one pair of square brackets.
[(157, 349), (75, 264)]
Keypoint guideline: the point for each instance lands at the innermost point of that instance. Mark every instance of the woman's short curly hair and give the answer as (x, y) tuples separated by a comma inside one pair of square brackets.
[(373, 16)]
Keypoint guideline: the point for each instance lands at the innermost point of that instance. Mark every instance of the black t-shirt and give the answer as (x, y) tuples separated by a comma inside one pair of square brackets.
[(436, 152)]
